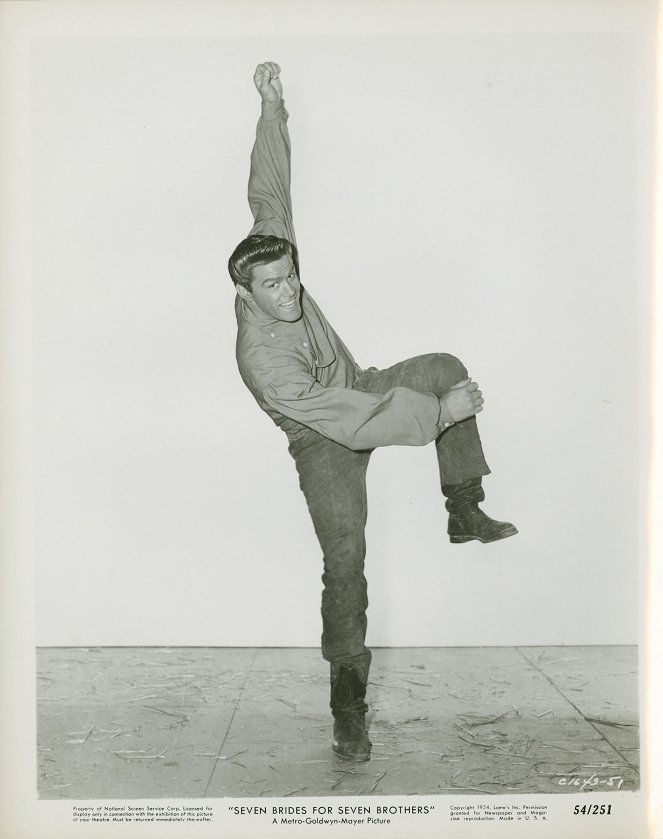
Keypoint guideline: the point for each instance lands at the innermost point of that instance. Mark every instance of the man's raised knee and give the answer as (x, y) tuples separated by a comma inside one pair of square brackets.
[(451, 366)]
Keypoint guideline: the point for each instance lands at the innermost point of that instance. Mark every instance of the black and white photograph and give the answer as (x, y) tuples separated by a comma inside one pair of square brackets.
[(330, 418)]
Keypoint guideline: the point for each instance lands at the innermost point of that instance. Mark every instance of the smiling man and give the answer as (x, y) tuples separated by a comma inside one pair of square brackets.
[(334, 413), (275, 289)]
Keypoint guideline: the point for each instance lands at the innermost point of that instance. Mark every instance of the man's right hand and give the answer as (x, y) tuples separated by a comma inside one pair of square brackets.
[(267, 81), (463, 400)]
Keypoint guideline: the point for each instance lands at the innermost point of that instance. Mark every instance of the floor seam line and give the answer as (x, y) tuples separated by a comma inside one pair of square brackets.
[(574, 706), (232, 719)]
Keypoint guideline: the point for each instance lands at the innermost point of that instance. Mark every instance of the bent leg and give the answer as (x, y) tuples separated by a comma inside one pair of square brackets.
[(333, 480), (459, 452)]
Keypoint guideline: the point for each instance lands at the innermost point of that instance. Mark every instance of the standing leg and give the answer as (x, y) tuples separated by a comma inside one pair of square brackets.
[(333, 480), (459, 453)]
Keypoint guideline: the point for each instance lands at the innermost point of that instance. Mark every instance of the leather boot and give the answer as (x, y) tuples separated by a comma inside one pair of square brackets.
[(348, 693), (466, 520)]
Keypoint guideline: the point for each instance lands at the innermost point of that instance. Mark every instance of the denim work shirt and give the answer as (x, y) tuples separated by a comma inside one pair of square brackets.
[(302, 373)]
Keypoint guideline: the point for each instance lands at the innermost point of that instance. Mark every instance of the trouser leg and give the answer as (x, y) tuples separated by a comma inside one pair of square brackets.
[(459, 452), (333, 480)]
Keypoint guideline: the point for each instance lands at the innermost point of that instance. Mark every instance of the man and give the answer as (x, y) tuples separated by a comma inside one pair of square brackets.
[(334, 413)]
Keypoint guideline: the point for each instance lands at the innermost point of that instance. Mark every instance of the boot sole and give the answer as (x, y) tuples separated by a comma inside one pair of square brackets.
[(457, 540), (352, 758), (359, 757)]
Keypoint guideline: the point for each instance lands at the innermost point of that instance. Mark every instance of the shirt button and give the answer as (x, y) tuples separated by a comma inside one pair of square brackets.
[(272, 334), (305, 344)]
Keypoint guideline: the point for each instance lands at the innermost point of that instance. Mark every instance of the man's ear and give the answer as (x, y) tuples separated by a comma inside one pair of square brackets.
[(243, 292)]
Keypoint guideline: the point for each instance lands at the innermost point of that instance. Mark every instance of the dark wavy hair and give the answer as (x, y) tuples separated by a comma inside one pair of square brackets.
[(258, 250)]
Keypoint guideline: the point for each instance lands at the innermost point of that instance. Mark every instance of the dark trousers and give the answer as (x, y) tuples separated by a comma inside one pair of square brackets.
[(333, 480)]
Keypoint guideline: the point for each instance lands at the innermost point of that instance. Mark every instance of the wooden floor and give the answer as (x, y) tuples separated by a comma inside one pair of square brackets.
[(193, 722)]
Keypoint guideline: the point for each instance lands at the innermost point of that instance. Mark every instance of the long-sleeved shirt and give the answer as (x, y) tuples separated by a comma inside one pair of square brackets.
[(301, 373)]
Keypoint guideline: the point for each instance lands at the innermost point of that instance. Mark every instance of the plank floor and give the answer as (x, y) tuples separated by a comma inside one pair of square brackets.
[(194, 722)]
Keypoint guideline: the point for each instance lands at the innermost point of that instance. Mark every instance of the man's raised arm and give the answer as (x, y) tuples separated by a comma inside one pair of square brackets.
[(269, 181)]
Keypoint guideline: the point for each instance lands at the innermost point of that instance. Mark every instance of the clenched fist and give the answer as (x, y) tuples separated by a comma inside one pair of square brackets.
[(463, 400), (267, 82)]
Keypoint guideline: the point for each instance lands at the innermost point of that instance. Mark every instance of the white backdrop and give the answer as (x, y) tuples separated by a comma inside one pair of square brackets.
[(484, 193)]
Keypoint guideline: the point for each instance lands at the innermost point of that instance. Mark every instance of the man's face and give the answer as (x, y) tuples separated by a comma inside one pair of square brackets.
[(275, 289)]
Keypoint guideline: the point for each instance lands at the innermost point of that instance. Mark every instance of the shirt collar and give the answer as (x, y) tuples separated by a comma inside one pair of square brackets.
[(312, 322)]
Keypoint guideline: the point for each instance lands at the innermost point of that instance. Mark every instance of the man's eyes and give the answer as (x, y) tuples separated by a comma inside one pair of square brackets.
[(290, 277)]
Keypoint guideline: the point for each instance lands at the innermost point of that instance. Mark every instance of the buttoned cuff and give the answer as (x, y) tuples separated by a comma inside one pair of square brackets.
[(273, 110), (445, 420)]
